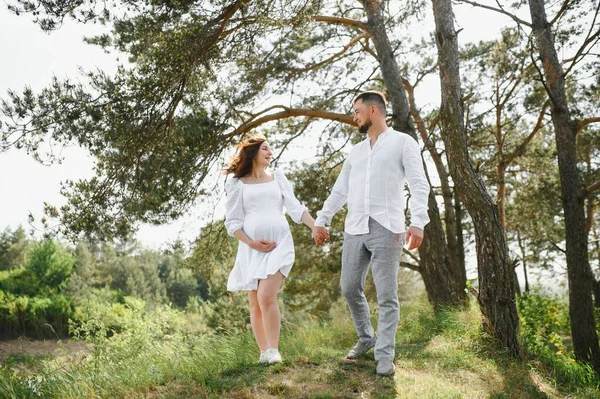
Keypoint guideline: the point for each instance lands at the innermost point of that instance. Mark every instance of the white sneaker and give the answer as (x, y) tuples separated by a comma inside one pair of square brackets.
[(273, 356), (263, 357)]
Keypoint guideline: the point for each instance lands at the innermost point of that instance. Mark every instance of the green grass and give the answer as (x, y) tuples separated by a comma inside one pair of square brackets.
[(444, 355)]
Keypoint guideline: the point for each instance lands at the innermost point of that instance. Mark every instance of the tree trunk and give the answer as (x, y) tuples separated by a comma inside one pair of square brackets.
[(454, 244), (444, 288), (501, 201), (390, 71), (434, 264), (583, 330), (496, 288)]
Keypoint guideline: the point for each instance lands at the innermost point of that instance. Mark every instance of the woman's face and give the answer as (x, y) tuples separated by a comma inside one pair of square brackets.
[(263, 156)]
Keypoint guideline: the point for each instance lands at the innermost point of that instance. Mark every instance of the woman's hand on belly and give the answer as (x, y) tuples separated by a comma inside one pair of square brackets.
[(262, 246)]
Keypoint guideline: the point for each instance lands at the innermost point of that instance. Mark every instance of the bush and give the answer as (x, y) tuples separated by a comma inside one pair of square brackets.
[(229, 313), (544, 320), (31, 298), (37, 316), (51, 263)]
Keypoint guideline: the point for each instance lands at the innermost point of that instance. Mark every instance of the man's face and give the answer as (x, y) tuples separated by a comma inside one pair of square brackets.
[(362, 116)]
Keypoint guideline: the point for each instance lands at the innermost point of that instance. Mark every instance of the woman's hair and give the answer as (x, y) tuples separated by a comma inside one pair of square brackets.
[(241, 165)]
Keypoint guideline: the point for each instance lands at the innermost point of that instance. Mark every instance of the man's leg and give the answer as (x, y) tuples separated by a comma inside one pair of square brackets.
[(355, 265), (386, 249)]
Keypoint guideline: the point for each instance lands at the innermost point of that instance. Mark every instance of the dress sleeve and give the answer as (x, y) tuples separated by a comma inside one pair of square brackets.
[(234, 209), (293, 207)]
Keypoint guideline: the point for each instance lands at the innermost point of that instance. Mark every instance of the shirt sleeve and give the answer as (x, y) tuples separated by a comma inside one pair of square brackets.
[(234, 209), (417, 183), (293, 207), (337, 198)]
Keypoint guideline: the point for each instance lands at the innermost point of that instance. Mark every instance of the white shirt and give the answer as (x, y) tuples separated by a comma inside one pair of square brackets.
[(372, 183)]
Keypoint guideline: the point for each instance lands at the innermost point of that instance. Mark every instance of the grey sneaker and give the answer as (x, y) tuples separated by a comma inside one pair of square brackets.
[(385, 367), (361, 348)]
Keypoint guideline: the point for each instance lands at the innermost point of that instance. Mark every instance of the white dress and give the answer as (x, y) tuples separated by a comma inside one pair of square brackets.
[(257, 209)]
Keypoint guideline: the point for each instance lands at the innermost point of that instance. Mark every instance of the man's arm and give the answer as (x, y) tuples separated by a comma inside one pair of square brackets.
[(337, 198), (419, 192), (335, 202)]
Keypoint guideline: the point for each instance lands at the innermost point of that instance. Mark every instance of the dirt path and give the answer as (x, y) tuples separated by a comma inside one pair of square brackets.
[(39, 348)]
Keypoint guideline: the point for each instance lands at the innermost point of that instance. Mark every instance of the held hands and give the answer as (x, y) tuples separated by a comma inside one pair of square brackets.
[(263, 246), (320, 235), (414, 237)]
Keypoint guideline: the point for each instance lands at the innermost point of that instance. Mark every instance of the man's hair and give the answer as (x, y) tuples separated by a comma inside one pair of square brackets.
[(373, 97)]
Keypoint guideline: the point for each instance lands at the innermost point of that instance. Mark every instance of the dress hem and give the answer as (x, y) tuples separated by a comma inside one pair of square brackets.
[(257, 279)]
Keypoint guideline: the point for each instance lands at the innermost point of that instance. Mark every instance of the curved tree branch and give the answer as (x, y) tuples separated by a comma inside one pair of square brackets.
[(584, 122), (291, 113), (560, 12), (593, 187), (342, 21), (521, 148), (499, 10), (410, 254), (368, 49), (410, 266)]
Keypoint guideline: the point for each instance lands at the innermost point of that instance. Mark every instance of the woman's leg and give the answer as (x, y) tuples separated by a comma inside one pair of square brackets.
[(256, 320), (267, 300)]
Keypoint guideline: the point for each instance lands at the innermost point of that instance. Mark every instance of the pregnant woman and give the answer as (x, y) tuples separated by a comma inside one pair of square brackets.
[(254, 215)]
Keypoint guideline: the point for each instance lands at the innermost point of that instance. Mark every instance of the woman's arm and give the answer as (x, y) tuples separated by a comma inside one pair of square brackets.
[(308, 220), (263, 246)]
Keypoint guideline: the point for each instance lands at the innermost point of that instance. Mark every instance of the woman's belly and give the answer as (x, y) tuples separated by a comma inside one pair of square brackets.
[(266, 227)]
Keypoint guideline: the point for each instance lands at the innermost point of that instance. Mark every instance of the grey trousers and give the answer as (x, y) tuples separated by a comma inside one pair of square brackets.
[(381, 249)]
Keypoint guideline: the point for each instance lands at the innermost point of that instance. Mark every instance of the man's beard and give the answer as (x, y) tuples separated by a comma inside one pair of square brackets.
[(365, 128)]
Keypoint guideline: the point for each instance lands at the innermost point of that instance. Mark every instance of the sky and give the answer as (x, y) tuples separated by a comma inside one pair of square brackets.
[(32, 57)]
